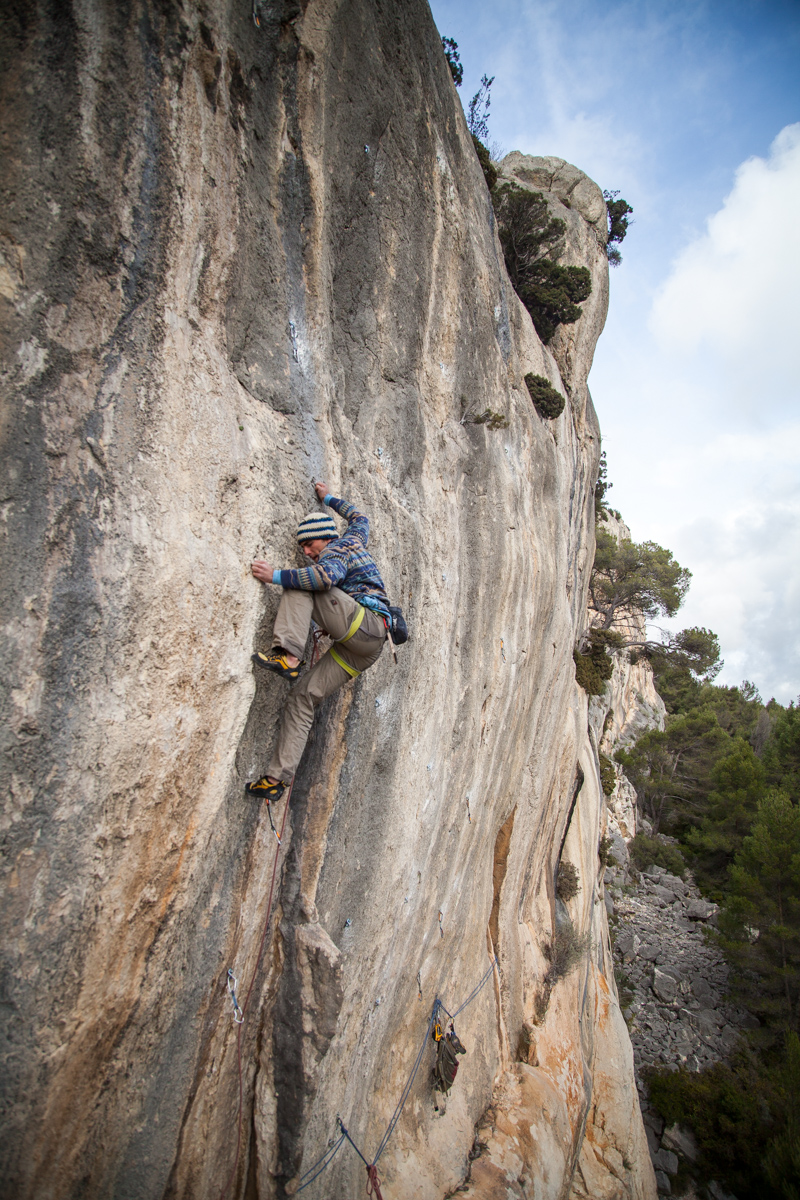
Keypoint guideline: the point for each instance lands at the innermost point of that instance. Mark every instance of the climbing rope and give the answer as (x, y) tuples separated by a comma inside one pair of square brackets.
[(472, 994), (373, 1182)]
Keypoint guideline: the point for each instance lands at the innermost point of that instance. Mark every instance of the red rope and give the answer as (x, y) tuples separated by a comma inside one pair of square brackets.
[(250, 989), (373, 1182)]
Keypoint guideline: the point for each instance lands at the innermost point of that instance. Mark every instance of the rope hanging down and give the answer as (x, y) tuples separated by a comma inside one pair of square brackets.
[(373, 1183)]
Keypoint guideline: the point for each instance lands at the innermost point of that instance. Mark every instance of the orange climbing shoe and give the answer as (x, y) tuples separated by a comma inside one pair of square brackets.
[(276, 661), (271, 792)]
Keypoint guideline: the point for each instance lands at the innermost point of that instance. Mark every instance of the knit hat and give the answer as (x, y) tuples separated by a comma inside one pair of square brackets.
[(316, 525)]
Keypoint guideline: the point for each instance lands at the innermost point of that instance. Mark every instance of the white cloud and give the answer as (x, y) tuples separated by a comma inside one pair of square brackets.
[(733, 291)]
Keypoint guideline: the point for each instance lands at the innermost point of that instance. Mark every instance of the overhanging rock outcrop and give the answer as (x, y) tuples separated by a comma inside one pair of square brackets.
[(236, 256)]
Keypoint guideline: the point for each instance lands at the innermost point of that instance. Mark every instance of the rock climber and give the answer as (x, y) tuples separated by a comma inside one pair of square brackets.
[(342, 590)]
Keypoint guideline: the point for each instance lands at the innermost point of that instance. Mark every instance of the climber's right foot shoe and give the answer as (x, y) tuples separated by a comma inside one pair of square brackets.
[(276, 661), (264, 789)]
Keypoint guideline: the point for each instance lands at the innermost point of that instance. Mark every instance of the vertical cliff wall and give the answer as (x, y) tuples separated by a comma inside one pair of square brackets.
[(236, 257)]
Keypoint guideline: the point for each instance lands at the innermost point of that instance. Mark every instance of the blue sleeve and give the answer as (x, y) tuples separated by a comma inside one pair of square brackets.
[(358, 523), (319, 577)]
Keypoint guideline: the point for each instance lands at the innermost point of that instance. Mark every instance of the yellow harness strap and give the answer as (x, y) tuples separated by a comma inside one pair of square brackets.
[(354, 628), (346, 666)]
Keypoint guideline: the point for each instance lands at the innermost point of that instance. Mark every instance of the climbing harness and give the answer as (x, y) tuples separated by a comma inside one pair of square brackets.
[(346, 666), (434, 1022), (354, 627)]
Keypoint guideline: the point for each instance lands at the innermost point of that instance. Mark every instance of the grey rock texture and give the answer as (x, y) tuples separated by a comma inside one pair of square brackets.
[(236, 257)]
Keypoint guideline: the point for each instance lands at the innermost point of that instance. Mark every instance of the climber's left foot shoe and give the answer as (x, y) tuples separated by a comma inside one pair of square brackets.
[(265, 790), (277, 661)]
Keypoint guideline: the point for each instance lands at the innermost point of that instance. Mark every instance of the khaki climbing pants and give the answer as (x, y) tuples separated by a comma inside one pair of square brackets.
[(334, 611)]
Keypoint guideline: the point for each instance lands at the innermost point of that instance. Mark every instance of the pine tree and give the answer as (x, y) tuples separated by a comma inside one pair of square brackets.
[(761, 919)]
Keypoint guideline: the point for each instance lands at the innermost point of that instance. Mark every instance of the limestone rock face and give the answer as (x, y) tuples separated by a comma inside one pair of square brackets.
[(237, 256)]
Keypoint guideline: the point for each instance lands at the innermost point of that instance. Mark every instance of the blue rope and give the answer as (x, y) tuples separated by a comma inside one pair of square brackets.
[(474, 993), (329, 1154), (390, 1128), (352, 1143), (407, 1089)]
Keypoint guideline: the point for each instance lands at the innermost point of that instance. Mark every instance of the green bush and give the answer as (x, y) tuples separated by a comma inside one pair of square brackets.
[(487, 166), (617, 212), (738, 1114), (492, 420), (604, 847), (548, 403), (552, 294), (568, 882), (646, 851), (593, 667), (450, 47), (531, 241), (608, 776), (564, 953)]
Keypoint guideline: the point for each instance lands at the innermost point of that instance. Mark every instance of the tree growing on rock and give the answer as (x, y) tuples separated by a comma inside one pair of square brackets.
[(628, 576), (532, 240), (450, 47), (617, 212)]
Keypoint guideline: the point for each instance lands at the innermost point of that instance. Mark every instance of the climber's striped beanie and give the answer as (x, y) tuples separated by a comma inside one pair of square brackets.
[(316, 525)]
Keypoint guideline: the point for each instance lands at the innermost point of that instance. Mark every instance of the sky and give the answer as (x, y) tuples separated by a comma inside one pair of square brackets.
[(691, 110)]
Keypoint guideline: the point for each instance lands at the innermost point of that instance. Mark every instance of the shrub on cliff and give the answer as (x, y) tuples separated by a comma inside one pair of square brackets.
[(450, 47), (593, 667), (487, 166), (563, 953), (531, 240), (600, 488), (546, 400), (478, 109), (568, 883), (608, 776), (617, 212)]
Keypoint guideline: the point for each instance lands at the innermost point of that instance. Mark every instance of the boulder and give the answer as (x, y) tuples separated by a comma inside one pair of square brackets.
[(700, 910), (717, 1191), (628, 945), (664, 986), (663, 1184), (681, 1140), (663, 893), (666, 1160), (672, 881)]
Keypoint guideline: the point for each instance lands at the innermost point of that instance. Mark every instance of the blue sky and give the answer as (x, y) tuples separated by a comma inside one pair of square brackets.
[(691, 111)]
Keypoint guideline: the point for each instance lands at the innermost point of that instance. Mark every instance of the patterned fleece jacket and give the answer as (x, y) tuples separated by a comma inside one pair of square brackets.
[(344, 563)]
